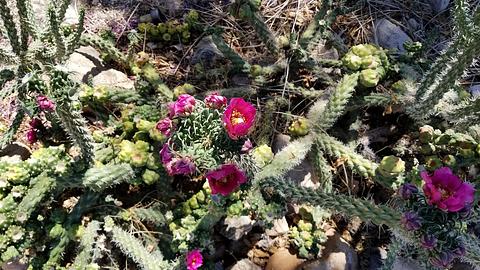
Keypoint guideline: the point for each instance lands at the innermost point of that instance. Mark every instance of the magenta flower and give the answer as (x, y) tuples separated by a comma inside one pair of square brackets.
[(411, 221), (181, 166), (238, 118), (225, 179), (166, 154), (31, 136), (446, 190), (45, 104), (165, 126), (215, 101), (407, 190), (428, 241), (194, 259), (183, 106), (442, 260), (35, 123)]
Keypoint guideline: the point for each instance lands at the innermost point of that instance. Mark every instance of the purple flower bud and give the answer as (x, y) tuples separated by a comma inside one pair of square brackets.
[(411, 221), (35, 123), (247, 146), (181, 166), (407, 190), (460, 250), (442, 260), (31, 136), (428, 241), (45, 104), (166, 154), (165, 126)]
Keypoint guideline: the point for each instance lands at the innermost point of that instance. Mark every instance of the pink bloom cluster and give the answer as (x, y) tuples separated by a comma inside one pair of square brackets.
[(238, 118), (194, 259), (225, 179), (446, 190), (45, 104), (35, 125)]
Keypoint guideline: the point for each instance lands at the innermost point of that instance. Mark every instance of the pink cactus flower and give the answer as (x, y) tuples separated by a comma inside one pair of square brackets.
[(45, 104), (181, 166), (446, 190), (166, 154), (35, 123), (215, 101), (31, 136), (165, 126), (225, 179), (238, 118), (183, 106), (194, 259)]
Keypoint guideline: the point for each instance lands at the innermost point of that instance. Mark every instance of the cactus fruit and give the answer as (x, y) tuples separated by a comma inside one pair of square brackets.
[(299, 127)]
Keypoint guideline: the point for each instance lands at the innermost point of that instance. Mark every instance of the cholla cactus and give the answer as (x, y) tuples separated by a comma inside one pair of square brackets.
[(371, 61)]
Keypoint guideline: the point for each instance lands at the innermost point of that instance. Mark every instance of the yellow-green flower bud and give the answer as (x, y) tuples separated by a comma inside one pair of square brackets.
[(352, 61), (391, 166), (162, 28), (141, 59), (426, 134), (299, 127), (449, 160), (128, 126), (369, 77), (256, 70), (193, 203), (371, 62), (144, 125), (149, 177), (364, 50), (304, 226), (262, 155)]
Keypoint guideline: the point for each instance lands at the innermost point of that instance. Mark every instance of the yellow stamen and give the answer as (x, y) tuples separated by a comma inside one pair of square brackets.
[(237, 118)]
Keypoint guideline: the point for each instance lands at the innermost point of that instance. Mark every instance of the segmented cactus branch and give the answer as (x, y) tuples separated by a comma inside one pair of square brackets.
[(472, 248), (323, 120), (347, 205), (356, 162), (27, 24), (12, 129), (55, 31), (98, 179), (133, 248), (323, 170), (74, 40), (87, 244), (41, 188), (462, 18), (9, 25), (76, 127), (286, 159), (230, 54), (105, 47)]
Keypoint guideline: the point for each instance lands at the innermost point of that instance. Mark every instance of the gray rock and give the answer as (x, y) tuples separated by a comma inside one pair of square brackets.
[(84, 62), (303, 173), (280, 227), (337, 255), (475, 90), (390, 36), (113, 78), (16, 149), (245, 264), (237, 227), (206, 52), (439, 5), (71, 16), (462, 266), (405, 264)]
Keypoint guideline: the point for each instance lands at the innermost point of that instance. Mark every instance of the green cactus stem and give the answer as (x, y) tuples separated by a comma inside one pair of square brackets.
[(366, 210)]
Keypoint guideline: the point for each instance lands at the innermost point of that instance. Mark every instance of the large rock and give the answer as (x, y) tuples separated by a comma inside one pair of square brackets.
[(206, 52), (337, 255), (237, 227), (280, 227), (284, 260), (84, 62), (16, 149), (405, 264), (390, 36), (245, 264), (439, 5), (113, 78), (475, 90)]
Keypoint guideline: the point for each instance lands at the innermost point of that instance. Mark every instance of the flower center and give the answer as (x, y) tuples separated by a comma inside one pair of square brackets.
[(237, 118), (194, 261), (445, 193)]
